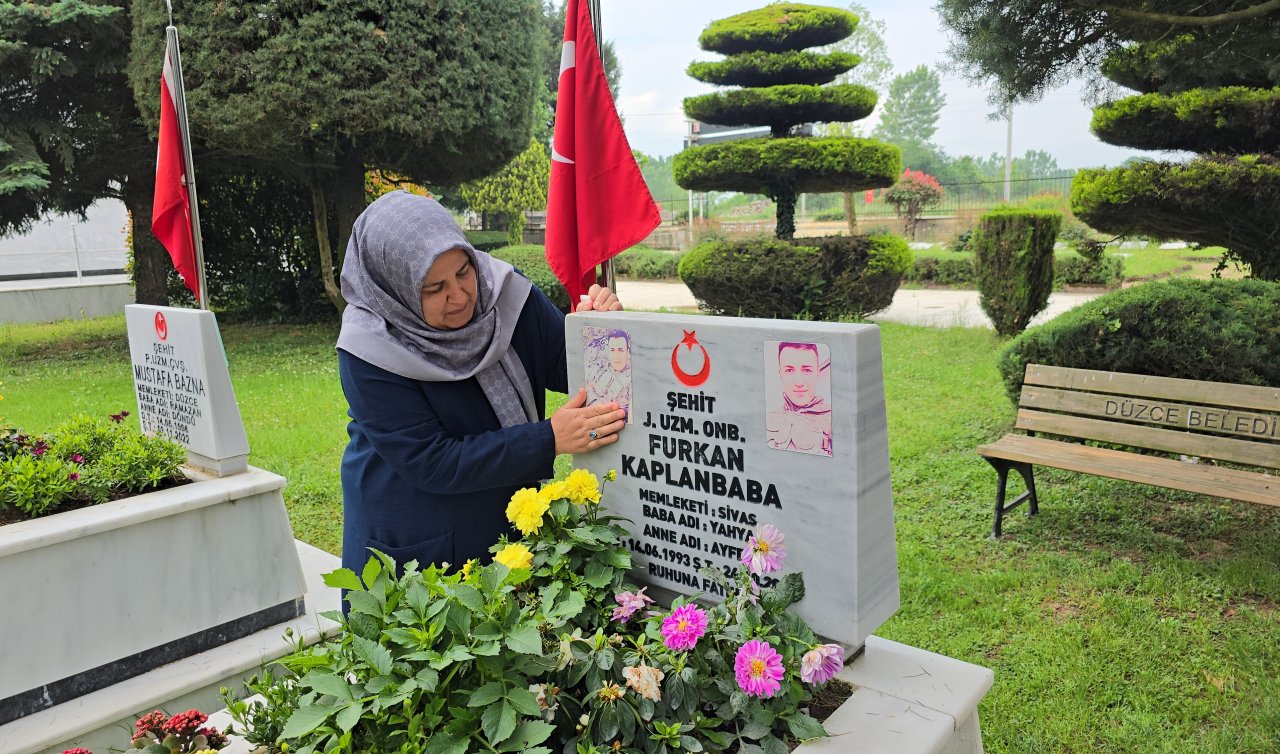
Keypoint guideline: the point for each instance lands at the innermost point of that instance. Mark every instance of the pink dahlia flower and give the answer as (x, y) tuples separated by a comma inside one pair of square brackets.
[(821, 663), (683, 627), (758, 668), (764, 552)]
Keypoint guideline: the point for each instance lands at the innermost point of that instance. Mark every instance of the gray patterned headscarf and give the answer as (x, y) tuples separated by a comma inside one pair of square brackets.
[(393, 245)]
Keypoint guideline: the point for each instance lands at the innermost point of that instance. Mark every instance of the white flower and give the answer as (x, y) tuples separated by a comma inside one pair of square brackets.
[(644, 680)]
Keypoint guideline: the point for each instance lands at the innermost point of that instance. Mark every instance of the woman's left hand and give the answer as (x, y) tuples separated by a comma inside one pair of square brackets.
[(600, 299)]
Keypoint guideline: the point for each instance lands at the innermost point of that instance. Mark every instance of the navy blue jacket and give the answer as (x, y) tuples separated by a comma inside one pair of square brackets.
[(429, 470)]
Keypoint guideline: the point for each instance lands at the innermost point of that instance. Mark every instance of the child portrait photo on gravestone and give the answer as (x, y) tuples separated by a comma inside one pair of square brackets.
[(797, 392), (607, 366)]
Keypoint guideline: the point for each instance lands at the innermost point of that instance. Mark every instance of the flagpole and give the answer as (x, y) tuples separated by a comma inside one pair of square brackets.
[(180, 103), (593, 7)]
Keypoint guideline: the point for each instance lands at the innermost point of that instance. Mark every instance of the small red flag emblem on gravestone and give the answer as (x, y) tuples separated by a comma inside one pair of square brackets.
[(162, 327), (690, 380)]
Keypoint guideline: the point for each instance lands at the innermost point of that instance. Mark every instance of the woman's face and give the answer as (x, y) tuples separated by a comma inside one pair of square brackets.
[(618, 354), (798, 370), (449, 291)]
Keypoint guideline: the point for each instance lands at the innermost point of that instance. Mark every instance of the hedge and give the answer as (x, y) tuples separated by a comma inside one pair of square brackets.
[(811, 165), (1072, 269), (1179, 63), (778, 28), (783, 106), (828, 278), (1233, 119), (1213, 200), (532, 261), (1215, 330), (1013, 261), (771, 68)]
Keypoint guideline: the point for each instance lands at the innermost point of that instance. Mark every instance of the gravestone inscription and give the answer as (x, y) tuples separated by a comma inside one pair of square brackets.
[(736, 423), (183, 386)]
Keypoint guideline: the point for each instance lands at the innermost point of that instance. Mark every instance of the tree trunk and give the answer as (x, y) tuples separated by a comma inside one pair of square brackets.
[(348, 195), (151, 262), (851, 213), (785, 198), (320, 213)]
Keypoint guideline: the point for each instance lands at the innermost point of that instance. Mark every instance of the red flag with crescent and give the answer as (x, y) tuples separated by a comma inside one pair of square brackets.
[(597, 203), (171, 206)]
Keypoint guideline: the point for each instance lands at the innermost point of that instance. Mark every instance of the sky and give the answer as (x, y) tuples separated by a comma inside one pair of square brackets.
[(656, 40)]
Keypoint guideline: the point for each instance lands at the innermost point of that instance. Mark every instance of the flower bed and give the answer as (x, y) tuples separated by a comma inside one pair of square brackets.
[(547, 649)]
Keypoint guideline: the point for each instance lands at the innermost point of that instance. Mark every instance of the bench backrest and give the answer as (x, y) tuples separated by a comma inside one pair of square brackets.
[(1218, 420)]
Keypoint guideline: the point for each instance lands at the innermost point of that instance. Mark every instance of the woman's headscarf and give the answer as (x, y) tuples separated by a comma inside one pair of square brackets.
[(393, 245)]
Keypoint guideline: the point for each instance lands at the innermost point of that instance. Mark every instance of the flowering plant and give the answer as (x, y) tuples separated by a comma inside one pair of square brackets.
[(83, 461), (547, 648), (914, 192), (184, 733)]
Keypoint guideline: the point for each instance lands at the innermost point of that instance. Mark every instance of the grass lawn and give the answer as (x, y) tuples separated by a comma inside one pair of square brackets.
[(1122, 619)]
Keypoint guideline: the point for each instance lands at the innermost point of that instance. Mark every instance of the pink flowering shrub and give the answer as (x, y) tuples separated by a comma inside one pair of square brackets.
[(914, 192)]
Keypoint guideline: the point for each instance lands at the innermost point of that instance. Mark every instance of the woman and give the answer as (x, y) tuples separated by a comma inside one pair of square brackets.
[(445, 355)]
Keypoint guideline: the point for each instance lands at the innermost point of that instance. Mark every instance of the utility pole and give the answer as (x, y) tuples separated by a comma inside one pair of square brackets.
[(1008, 151)]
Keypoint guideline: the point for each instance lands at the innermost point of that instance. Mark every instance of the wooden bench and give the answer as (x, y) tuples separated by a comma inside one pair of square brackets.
[(1219, 421)]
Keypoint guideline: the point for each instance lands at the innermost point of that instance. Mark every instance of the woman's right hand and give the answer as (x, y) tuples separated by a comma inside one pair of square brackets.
[(574, 422)]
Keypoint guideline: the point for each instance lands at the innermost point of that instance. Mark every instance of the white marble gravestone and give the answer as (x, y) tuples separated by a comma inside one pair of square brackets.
[(735, 423), (183, 388)]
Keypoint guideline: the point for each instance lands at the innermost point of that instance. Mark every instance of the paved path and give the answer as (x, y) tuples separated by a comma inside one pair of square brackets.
[(934, 307)]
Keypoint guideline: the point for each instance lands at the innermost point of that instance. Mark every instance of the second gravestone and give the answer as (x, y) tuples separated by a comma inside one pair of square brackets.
[(735, 423)]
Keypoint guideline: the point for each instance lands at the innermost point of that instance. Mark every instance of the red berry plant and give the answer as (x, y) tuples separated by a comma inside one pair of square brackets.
[(184, 733)]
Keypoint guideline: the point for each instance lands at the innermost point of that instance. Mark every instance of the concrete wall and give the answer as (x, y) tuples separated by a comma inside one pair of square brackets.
[(51, 304)]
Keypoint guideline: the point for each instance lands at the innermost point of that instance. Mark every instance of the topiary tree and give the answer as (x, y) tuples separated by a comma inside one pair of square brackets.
[(520, 185), (782, 86), (1229, 197), (914, 192), (1013, 260)]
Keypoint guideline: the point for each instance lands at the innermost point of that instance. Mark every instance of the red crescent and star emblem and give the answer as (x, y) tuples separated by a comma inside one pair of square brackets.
[(162, 327), (686, 379)]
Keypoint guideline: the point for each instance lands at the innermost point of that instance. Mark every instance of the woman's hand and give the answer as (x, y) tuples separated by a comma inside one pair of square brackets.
[(599, 300), (579, 427)]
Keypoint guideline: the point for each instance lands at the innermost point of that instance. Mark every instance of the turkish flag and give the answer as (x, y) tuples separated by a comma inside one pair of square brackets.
[(597, 203), (171, 207)]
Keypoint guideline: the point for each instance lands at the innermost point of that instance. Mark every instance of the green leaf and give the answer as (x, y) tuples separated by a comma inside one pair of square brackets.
[(157, 749), (447, 743), (774, 745), (498, 722), (343, 578), (525, 639), (492, 576), (417, 596), (689, 743), (605, 658), (371, 571), (363, 602), (470, 596), (755, 731), (569, 607), (327, 683), (804, 727), (487, 631), (486, 694), (306, 719), (428, 678), (363, 624), (525, 702), (619, 558), (373, 653), (598, 575), (487, 649), (527, 735), (347, 719)]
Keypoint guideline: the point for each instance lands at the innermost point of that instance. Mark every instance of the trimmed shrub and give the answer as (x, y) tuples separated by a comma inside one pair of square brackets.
[(643, 263), (771, 68), (1234, 119), (487, 240), (1080, 270), (782, 106), (819, 278), (942, 271), (778, 28), (532, 262), (1216, 330), (811, 165), (1013, 259), (1214, 201)]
